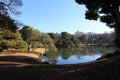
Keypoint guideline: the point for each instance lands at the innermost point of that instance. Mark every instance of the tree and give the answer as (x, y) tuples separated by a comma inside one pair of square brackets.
[(108, 11), (84, 38), (31, 36), (65, 40), (11, 40), (7, 22), (65, 35), (6, 8), (48, 43), (9, 6), (75, 41), (54, 37), (36, 39)]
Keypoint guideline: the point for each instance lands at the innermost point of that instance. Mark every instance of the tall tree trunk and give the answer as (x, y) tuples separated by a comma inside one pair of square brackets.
[(117, 38), (29, 45), (116, 15)]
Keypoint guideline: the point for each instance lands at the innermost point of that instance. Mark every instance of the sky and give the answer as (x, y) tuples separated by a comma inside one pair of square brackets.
[(58, 16)]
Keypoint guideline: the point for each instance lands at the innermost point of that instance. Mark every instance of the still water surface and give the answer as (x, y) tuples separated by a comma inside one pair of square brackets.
[(76, 55)]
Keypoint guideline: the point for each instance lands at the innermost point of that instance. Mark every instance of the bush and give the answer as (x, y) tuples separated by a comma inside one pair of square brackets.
[(13, 44)]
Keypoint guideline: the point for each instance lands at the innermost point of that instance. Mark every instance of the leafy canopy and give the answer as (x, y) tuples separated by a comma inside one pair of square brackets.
[(107, 10), (9, 6), (11, 40)]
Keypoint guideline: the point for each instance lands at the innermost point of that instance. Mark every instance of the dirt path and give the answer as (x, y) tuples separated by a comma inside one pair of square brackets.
[(16, 58)]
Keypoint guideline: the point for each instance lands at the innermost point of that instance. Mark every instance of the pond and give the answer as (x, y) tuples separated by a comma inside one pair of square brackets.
[(76, 55)]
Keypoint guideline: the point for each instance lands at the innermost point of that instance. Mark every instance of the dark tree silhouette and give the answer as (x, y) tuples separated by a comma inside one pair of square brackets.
[(6, 8), (6, 22), (108, 11), (9, 6)]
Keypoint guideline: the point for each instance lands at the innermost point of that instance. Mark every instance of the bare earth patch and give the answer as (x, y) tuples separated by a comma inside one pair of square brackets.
[(17, 58), (104, 69)]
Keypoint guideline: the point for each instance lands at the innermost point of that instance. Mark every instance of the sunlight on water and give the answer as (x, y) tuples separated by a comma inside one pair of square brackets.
[(75, 59), (75, 56)]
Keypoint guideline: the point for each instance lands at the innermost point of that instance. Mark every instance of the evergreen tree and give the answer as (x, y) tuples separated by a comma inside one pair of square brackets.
[(11, 41), (31, 36), (48, 43), (108, 11)]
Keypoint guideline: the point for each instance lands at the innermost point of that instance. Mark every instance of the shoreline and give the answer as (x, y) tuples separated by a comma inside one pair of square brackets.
[(103, 69)]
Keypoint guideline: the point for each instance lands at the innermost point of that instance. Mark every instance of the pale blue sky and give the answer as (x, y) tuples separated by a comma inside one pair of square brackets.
[(58, 16)]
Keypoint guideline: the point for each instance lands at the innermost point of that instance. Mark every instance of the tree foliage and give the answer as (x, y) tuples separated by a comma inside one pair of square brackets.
[(96, 38), (10, 37), (108, 11), (9, 6), (67, 40), (84, 38), (48, 42), (11, 40), (36, 39), (7, 22), (79, 39), (31, 36), (6, 8)]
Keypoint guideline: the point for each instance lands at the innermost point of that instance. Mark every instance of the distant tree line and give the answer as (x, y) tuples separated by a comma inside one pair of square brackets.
[(96, 38), (67, 40)]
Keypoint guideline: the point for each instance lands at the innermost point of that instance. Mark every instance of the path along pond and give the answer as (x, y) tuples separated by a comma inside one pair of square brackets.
[(76, 55)]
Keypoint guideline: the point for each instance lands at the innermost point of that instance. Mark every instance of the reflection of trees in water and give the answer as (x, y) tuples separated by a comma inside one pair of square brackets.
[(96, 50), (101, 50), (78, 52), (66, 53)]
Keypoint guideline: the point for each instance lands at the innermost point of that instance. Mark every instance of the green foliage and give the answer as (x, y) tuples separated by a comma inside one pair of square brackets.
[(9, 6), (10, 38), (6, 8), (13, 45), (80, 39), (65, 35), (84, 38), (36, 39), (76, 41), (54, 37), (48, 42), (31, 36), (67, 41), (108, 11), (65, 38), (12, 41), (7, 22), (20, 44)]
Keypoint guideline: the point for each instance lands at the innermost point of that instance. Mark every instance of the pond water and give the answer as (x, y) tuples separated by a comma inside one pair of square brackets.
[(76, 55)]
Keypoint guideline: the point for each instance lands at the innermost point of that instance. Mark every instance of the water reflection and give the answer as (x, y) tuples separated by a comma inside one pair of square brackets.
[(76, 55)]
